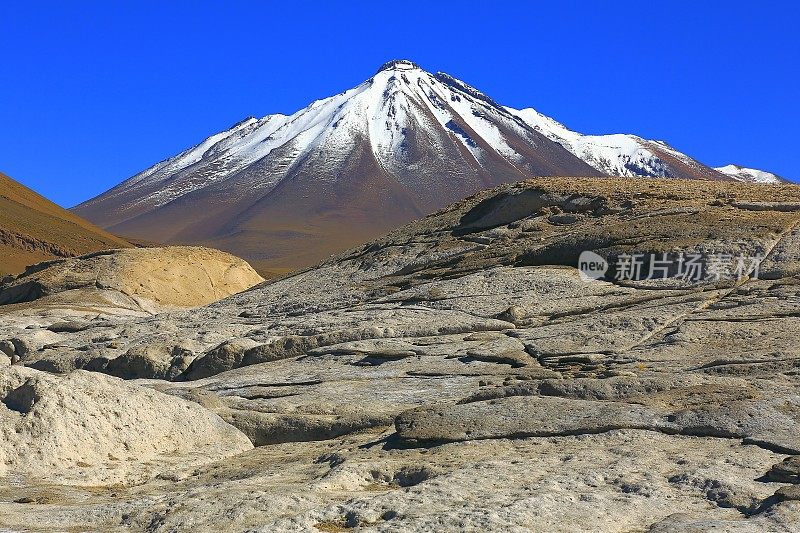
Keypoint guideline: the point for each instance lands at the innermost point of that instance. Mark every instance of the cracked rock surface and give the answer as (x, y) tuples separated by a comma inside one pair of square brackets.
[(457, 374)]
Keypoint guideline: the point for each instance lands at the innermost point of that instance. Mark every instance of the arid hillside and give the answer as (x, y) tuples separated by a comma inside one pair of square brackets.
[(34, 229)]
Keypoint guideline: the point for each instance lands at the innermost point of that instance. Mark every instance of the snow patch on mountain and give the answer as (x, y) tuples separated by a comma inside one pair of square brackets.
[(616, 154), (750, 174)]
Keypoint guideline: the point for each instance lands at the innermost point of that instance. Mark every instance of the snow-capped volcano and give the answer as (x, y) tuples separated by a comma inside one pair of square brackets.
[(406, 118), (284, 191)]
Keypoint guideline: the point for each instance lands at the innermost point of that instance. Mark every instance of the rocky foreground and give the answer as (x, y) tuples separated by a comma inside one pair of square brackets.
[(458, 374)]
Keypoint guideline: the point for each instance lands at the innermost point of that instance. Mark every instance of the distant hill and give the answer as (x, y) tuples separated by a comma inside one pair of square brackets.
[(34, 229)]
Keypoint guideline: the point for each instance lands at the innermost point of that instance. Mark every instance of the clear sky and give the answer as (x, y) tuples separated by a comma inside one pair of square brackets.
[(93, 92)]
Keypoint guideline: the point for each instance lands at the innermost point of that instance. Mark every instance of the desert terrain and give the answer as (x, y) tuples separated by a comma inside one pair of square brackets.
[(458, 373)]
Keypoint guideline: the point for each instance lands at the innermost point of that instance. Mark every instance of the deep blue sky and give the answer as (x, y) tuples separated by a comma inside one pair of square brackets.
[(93, 92)]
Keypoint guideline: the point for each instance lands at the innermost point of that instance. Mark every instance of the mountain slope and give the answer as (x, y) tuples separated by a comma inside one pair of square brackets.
[(33, 229), (621, 154), (286, 191), (751, 175)]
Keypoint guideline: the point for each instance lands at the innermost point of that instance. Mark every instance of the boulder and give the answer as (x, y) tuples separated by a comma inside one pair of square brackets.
[(153, 361), (225, 356), (86, 428)]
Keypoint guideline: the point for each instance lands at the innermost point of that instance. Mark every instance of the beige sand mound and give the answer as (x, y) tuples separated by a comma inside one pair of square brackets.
[(148, 278), (86, 428)]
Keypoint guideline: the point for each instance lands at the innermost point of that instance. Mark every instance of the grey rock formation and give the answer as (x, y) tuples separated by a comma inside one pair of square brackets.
[(460, 374)]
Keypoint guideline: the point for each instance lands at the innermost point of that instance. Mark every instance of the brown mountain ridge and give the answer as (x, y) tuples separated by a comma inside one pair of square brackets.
[(34, 229)]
